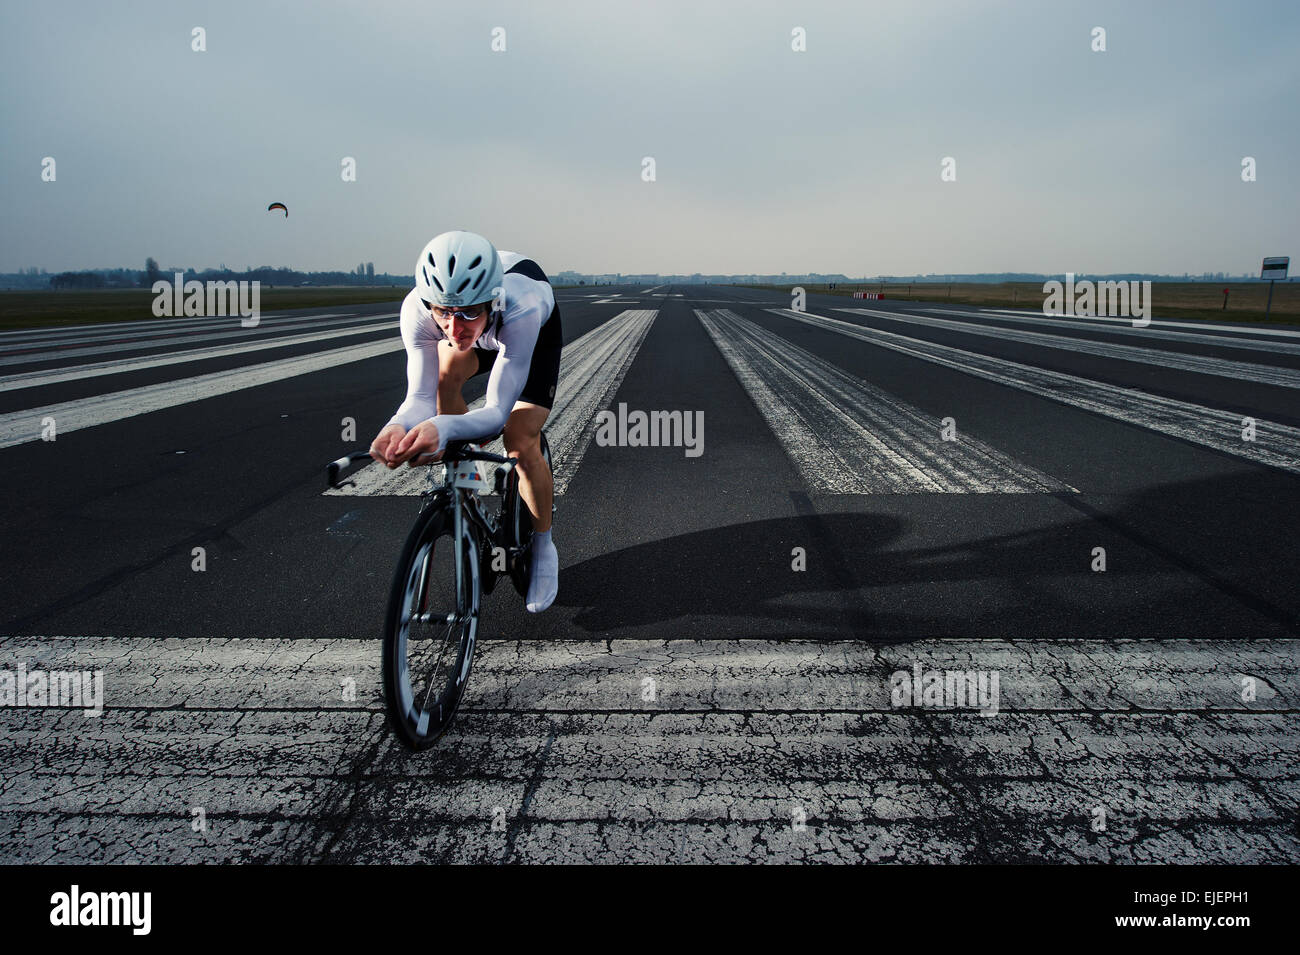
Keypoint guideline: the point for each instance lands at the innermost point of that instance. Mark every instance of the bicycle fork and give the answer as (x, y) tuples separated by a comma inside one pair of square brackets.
[(458, 549), (422, 586)]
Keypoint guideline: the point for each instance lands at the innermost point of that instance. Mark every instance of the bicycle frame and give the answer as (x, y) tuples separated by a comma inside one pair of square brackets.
[(460, 494), (465, 507), (475, 534)]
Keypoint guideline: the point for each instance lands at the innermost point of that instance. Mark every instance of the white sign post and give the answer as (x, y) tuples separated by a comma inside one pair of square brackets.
[(1274, 268)]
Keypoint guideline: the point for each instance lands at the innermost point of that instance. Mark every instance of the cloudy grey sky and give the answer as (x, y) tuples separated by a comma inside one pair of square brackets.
[(767, 160)]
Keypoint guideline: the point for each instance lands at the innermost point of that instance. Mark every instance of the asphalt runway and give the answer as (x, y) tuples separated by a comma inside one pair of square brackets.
[(879, 491)]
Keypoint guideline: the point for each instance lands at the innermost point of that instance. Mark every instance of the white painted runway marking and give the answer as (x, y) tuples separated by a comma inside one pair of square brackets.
[(585, 675), (1275, 444), (257, 333), (1105, 319), (849, 437), (591, 370), (120, 365), (21, 427), (89, 333), (257, 732), (1202, 364), (1124, 326)]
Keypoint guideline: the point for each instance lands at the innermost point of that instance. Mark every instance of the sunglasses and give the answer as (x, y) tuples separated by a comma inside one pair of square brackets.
[(474, 311)]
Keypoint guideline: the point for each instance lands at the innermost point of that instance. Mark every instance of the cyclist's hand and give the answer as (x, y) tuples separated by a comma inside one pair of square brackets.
[(385, 444), (422, 439)]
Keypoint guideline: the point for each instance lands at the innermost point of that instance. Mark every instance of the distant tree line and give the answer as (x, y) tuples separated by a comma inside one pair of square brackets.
[(100, 278), (363, 274)]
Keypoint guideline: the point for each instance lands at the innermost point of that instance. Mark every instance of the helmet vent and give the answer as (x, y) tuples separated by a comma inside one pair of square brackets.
[(460, 288), (451, 265), (479, 281), (439, 284), (477, 260)]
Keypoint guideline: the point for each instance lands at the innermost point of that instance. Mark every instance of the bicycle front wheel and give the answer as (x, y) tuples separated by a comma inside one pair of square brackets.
[(430, 630)]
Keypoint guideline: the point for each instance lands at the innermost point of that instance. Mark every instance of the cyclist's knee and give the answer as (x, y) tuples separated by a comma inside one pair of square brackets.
[(521, 441), (524, 428)]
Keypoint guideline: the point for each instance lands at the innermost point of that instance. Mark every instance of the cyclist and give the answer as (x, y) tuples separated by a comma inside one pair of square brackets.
[(475, 310)]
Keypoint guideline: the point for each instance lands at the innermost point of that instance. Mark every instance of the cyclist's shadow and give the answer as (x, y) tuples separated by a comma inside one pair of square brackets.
[(765, 569)]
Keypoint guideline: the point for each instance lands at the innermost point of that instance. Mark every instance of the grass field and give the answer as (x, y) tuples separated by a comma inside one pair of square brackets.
[(50, 308), (1189, 300)]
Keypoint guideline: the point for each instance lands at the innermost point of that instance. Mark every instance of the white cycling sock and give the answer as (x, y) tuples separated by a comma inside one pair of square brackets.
[(544, 582)]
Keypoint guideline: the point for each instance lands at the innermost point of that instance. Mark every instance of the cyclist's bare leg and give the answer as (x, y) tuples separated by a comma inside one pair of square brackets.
[(454, 369), (523, 441)]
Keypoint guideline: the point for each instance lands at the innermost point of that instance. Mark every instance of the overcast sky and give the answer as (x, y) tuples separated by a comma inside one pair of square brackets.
[(766, 159)]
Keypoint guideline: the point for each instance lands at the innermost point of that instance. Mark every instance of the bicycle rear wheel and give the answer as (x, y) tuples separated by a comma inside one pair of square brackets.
[(519, 524), (430, 630)]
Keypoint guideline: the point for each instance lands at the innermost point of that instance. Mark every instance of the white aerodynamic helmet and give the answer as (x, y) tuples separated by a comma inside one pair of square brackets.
[(457, 269)]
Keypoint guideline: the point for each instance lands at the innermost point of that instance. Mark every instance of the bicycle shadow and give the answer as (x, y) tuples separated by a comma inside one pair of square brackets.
[(735, 571), (1181, 567)]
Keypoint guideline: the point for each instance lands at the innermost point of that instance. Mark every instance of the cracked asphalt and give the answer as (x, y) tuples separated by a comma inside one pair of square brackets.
[(748, 751), (691, 697)]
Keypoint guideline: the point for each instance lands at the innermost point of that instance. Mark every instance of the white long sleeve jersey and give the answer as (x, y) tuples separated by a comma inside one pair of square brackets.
[(528, 304)]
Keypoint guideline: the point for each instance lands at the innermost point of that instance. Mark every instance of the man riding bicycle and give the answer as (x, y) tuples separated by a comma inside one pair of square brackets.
[(476, 310)]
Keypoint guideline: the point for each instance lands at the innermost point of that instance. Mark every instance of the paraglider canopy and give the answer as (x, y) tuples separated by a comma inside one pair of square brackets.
[(279, 205)]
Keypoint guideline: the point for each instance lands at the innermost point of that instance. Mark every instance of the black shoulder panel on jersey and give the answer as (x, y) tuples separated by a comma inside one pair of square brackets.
[(529, 269)]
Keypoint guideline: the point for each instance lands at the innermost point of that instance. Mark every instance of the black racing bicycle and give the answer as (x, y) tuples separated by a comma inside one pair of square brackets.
[(453, 555)]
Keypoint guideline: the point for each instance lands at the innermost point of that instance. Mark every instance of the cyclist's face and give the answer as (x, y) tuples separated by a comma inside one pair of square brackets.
[(462, 326)]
